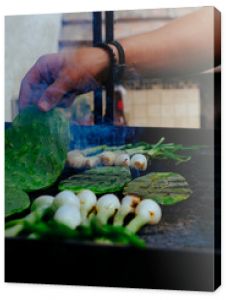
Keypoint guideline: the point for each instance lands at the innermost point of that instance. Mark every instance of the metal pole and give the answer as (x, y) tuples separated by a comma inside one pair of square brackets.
[(97, 38), (109, 36)]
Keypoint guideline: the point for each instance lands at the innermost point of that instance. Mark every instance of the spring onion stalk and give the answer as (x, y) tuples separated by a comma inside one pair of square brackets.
[(42, 202), (13, 228), (92, 161), (88, 201), (76, 159), (68, 215), (33, 236), (106, 207), (122, 159), (65, 197), (128, 205), (159, 150), (139, 162), (38, 208), (108, 158), (93, 150), (147, 212)]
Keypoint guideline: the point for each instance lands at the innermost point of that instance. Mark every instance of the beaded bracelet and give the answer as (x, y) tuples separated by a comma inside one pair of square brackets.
[(115, 70)]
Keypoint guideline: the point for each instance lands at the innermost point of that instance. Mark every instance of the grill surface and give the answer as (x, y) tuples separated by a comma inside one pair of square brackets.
[(182, 250), (189, 224)]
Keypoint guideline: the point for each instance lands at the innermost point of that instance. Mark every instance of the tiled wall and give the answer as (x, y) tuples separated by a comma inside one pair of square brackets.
[(160, 107), (163, 108)]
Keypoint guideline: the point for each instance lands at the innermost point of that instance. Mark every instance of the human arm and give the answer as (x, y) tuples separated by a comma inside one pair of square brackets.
[(188, 44), (185, 45)]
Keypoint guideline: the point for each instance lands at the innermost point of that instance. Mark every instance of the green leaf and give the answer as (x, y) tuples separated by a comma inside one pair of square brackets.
[(99, 180), (166, 188)]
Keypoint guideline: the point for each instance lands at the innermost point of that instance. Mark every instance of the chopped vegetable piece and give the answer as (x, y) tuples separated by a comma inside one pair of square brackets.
[(164, 187)]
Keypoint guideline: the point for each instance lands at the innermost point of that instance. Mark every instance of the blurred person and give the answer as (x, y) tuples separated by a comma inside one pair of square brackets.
[(119, 115)]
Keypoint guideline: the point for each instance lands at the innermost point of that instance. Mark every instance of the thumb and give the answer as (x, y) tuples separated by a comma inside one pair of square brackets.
[(53, 95)]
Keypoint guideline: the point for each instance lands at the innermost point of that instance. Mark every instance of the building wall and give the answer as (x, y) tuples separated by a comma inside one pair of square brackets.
[(163, 108), (26, 39)]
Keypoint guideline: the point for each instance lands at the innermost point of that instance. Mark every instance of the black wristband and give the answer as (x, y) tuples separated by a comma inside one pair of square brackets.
[(112, 57), (115, 70), (121, 60)]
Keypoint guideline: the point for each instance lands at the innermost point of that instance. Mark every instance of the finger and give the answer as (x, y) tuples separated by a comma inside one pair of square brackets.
[(53, 95), (67, 100), (32, 79)]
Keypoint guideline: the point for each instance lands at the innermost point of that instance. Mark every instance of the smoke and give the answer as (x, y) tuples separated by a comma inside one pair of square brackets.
[(89, 136)]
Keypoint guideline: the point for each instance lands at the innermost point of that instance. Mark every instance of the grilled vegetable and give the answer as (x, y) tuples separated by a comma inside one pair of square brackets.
[(108, 158), (155, 151), (36, 148), (93, 232), (87, 203), (35, 153), (16, 200), (122, 159), (139, 162), (42, 202), (65, 197), (164, 187), (68, 215), (106, 207), (100, 180), (76, 159), (13, 228), (147, 212), (92, 161), (128, 205)]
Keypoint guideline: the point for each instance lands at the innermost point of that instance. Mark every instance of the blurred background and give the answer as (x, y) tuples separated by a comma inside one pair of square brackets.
[(158, 102)]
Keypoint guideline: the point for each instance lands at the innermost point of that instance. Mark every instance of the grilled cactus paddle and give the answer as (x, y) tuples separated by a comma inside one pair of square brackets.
[(35, 153), (99, 180), (165, 188), (15, 201), (36, 148)]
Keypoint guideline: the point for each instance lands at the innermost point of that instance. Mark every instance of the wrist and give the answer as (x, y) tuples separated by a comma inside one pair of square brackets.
[(101, 64), (116, 60)]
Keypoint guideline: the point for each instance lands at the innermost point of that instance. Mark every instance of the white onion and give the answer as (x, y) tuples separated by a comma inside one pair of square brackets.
[(68, 215), (139, 162), (42, 202), (65, 197)]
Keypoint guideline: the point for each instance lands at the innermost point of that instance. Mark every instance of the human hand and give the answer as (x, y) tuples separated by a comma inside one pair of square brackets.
[(56, 79)]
